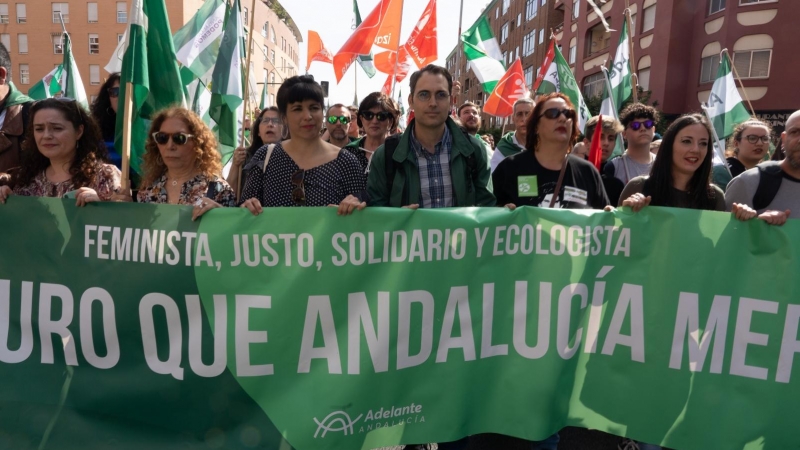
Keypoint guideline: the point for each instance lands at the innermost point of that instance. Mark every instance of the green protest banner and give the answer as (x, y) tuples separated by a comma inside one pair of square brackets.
[(131, 326)]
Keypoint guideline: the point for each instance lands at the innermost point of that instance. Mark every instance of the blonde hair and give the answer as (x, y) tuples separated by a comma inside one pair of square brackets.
[(207, 157)]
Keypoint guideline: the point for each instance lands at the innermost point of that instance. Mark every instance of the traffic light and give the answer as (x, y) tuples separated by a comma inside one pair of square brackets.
[(324, 85)]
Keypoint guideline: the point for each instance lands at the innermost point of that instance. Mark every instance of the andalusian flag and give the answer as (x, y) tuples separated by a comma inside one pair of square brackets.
[(619, 76), (197, 43), (725, 108), (149, 64), (483, 54), (48, 86), (71, 82), (264, 96), (365, 61), (559, 78), (227, 84)]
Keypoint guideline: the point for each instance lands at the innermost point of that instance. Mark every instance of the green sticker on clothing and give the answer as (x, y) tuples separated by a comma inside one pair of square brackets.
[(527, 186)]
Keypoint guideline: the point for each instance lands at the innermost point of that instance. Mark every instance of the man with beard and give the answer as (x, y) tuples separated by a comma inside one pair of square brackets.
[(337, 123), (470, 116), (772, 188), (514, 142)]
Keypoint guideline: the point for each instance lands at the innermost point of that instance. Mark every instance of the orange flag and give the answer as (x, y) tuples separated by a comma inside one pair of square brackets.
[(508, 90), (422, 45), (360, 42), (317, 50), (388, 35), (387, 86), (385, 62)]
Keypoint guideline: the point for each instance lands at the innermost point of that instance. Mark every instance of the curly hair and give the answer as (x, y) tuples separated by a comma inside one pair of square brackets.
[(89, 149), (207, 157), (637, 111), (383, 102), (102, 113), (739, 131), (532, 136)]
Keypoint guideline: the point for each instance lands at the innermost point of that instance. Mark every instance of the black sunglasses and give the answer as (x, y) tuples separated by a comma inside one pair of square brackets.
[(298, 190), (177, 138), (341, 119), (113, 92), (553, 113), (647, 124), (381, 116)]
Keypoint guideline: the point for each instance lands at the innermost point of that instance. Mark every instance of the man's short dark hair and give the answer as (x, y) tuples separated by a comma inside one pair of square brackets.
[(336, 105), (432, 69), (637, 111), (5, 61), (466, 104)]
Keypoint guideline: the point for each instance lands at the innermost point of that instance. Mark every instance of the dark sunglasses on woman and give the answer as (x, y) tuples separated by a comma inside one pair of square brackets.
[(113, 92), (177, 138), (381, 116), (553, 113)]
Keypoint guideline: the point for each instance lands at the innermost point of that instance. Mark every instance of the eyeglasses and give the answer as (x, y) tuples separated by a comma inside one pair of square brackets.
[(271, 120), (381, 116), (113, 92), (177, 138), (553, 113), (298, 190), (647, 124), (753, 139), (344, 120), (426, 95)]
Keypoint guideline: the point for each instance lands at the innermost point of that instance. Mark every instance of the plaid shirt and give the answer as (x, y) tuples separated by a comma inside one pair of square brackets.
[(436, 186)]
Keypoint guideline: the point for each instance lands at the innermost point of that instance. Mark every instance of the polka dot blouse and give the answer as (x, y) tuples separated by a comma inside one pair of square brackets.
[(327, 184)]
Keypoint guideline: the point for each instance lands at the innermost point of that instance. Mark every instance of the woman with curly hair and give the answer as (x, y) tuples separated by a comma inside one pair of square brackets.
[(63, 156), (182, 165)]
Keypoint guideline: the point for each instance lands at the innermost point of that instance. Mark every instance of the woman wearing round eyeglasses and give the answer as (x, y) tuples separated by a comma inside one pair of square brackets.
[(182, 165), (546, 175), (304, 170), (267, 129), (63, 156), (750, 142), (378, 116)]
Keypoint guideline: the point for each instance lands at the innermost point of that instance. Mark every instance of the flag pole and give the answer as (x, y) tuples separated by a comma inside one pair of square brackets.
[(126, 136), (397, 51), (459, 46), (736, 74), (246, 98), (631, 59), (719, 148)]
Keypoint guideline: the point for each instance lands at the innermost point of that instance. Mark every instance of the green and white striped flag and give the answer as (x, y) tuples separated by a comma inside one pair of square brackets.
[(149, 64), (71, 82), (197, 43), (619, 76), (201, 100), (264, 96), (725, 107), (559, 78), (48, 86), (483, 54), (227, 84), (365, 61)]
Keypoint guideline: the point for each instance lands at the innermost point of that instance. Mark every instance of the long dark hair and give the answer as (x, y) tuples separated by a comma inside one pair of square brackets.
[(89, 152), (102, 113), (659, 186), (532, 137), (255, 138)]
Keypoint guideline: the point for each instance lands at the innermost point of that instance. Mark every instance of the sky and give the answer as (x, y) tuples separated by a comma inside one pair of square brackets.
[(333, 19)]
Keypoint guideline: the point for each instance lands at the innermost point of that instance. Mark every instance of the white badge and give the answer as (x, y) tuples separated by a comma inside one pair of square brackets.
[(575, 195)]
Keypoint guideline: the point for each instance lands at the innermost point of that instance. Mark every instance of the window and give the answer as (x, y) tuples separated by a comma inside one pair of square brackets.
[(633, 25), (528, 76), (246, 16), (92, 12), (272, 77), (265, 30), (5, 39), (272, 56), (708, 68), (516, 53), (22, 43), (573, 53), (22, 13), (497, 13), (649, 18), (644, 79), (3, 12), (541, 35), (94, 44), (543, 2), (60, 10), (274, 38), (597, 39), (529, 43), (94, 74), (519, 19), (576, 8), (593, 85), (122, 12), (120, 37), (505, 58), (715, 6), (504, 33), (531, 8), (92, 98), (24, 74), (58, 43), (506, 5), (750, 2), (752, 63), (283, 45)]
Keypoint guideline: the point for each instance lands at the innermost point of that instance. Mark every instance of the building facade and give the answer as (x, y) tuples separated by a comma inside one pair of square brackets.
[(31, 31)]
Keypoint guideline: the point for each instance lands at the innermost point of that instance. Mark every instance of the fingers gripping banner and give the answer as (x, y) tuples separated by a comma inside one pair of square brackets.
[(131, 326)]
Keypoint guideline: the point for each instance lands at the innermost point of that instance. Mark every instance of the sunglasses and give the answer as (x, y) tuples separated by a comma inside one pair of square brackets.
[(177, 138), (113, 92), (298, 190), (381, 116), (647, 124), (344, 120), (271, 120), (753, 139), (553, 113)]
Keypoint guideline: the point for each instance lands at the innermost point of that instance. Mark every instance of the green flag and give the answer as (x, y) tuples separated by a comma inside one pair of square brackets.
[(197, 42), (227, 85), (48, 86), (264, 96), (71, 81), (365, 61), (619, 76), (483, 54), (725, 107), (149, 64), (559, 78)]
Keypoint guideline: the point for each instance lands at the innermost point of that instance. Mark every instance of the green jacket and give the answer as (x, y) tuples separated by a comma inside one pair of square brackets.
[(507, 147), (466, 192)]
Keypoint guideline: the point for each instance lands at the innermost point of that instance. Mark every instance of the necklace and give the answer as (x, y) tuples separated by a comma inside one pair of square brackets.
[(174, 182)]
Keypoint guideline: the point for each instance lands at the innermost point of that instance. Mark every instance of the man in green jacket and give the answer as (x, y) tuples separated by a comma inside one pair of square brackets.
[(14, 107), (514, 141), (434, 164)]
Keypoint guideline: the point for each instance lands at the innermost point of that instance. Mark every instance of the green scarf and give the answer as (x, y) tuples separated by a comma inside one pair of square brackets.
[(15, 97), (507, 147)]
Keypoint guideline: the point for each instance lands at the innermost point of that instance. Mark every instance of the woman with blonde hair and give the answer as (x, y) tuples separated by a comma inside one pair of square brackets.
[(182, 165)]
